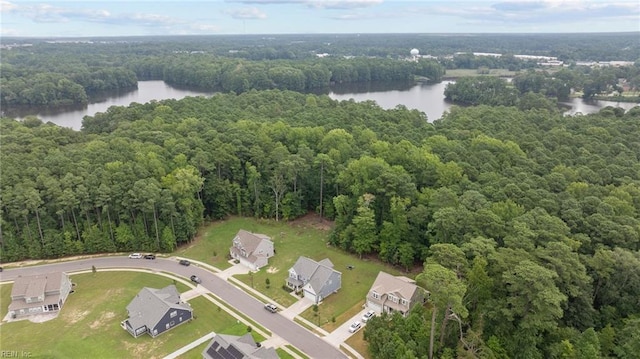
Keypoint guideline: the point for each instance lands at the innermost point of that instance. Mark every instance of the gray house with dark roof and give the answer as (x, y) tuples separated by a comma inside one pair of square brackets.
[(252, 249), (154, 311), (391, 293), (316, 279), (39, 294), (234, 347)]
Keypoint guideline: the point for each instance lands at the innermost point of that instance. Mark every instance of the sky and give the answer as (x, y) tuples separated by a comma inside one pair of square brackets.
[(210, 17)]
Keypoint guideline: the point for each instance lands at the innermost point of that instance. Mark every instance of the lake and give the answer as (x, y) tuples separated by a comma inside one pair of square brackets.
[(428, 98)]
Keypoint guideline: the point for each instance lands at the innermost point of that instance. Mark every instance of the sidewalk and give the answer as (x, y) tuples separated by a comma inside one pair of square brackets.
[(335, 338), (190, 346)]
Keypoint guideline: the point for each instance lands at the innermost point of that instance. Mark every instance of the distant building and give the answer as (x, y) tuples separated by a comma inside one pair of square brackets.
[(233, 347), (38, 294), (154, 311)]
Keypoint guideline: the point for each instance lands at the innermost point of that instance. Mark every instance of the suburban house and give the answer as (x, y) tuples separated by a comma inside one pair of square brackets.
[(234, 347), (154, 311), (37, 294), (316, 279), (252, 249), (394, 294)]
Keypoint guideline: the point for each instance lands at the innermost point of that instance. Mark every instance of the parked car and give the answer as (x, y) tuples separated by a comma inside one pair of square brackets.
[(271, 307), (368, 315), (355, 326), (185, 262), (149, 256), (196, 279), (135, 255)]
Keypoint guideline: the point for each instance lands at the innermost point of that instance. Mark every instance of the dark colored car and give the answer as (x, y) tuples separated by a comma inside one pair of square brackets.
[(185, 262), (271, 307), (149, 256), (196, 279)]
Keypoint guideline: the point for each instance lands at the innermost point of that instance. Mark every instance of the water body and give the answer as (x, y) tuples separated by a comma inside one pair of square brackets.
[(72, 116), (428, 98)]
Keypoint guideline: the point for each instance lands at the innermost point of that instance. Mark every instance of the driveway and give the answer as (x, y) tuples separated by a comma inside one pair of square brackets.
[(341, 334)]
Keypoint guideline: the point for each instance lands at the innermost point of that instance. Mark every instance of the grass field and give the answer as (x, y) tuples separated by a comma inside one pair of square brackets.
[(291, 240), (89, 324)]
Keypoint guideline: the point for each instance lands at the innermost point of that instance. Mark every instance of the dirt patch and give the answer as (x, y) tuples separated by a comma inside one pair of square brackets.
[(272, 270), (103, 318), (75, 316), (313, 220)]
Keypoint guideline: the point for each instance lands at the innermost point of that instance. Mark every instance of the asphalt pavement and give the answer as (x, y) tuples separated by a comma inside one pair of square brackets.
[(279, 325)]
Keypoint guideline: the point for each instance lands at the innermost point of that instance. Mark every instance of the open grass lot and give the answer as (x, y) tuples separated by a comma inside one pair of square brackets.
[(89, 324), (304, 238), (214, 240)]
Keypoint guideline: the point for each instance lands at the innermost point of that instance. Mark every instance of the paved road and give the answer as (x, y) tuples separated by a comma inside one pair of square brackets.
[(276, 323)]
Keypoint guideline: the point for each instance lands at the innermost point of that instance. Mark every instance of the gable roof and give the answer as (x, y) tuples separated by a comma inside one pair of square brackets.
[(151, 304), (35, 285), (305, 267), (400, 286), (250, 241), (224, 346), (317, 273), (47, 285)]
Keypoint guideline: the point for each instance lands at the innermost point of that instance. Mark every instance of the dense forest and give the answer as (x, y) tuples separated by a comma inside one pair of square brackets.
[(524, 223), (528, 222), (53, 73)]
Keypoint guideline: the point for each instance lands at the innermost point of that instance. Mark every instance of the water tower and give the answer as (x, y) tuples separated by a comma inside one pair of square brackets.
[(415, 53)]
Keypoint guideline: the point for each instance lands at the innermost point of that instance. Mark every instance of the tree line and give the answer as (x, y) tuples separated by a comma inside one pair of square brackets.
[(544, 89), (527, 222)]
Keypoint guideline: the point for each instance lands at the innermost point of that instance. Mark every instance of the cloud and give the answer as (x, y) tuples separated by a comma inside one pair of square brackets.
[(518, 5), (6, 6), (205, 28), (534, 11), (317, 4), (355, 16), (342, 4), (246, 13), (45, 13)]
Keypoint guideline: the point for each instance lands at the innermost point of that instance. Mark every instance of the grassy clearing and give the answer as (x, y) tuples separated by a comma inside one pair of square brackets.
[(213, 241), (291, 240), (89, 324)]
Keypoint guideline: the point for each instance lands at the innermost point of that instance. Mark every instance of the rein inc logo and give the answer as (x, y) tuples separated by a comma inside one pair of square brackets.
[(15, 354)]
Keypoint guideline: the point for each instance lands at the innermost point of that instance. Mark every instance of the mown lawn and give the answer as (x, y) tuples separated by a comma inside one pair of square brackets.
[(89, 324), (214, 240), (301, 238)]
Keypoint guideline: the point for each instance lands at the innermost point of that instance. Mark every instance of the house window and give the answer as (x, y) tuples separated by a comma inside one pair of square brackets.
[(404, 302), (173, 314), (393, 298), (375, 295)]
